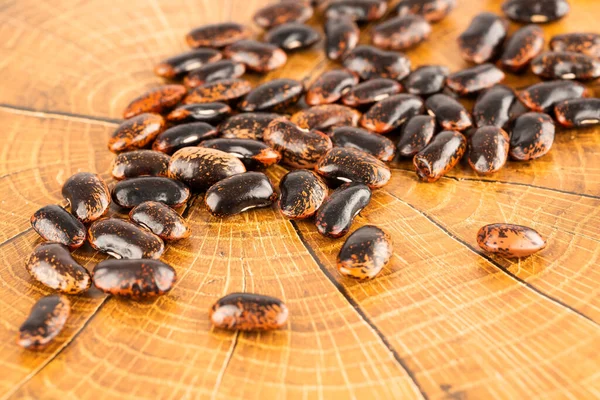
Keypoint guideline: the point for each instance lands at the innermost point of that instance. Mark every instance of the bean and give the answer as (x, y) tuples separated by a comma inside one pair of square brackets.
[(357, 10), (483, 39), (509, 240), (254, 154), (364, 254), (440, 156), (401, 33), (475, 79), (566, 65), (224, 90), (299, 148), (337, 213), (161, 219), (132, 192), (277, 94), (184, 135), (157, 100), (426, 80), (140, 163), (378, 146), (493, 106), (257, 56), (292, 36), (539, 11), (488, 149), (181, 64), (215, 71), (87, 195), (248, 125), (326, 117), (302, 193), (330, 86), (45, 321), (217, 35), (203, 112), (585, 43), (134, 279), (239, 193), (578, 112), (341, 37), (52, 265), (416, 135), (352, 165), (136, 132), (523, 46), (54, 224), (248, 312), (543, 96), (431, 10), (532, 136), (391, 113), (370, 62), (371, 91), (122, 239), (282, 13), (449, 113)]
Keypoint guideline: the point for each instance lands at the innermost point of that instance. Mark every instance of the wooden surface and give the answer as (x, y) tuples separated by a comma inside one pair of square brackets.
[(443, 320)]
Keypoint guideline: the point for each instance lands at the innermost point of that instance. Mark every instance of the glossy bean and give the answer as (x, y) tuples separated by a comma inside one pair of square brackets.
[(578, 112), (416, 135), (217, 35), (136, 133), (132, 192), (401, 33), (181, 136), (364, 254), (538, 12), (426, 80), (532, 136), (341, 37), (370, 62), (299, 148), (248, 312), (181, 64), (352, 165), (52, 265), (522, 47), (475, 79), (254, 154), (276, 94), (391, 113), (493, 106), (357, 10), (510, 240), (376, 145), (122, 239), (292, 36), (302, 193), (371, 91), (224, 90), (440, 156), (488, 149), (543, 96), (161, 219), (281, 13), (483, 38), (202, 112), (585, 43), (239, 193), (45, 321), (330, 86), (55, 224), (566, 65), (449, 113), (248, 125), (431, 10), (257, 56), (157, 100), (336, 215), (140, 163), (326, 117), (216, 71), (87, 195)]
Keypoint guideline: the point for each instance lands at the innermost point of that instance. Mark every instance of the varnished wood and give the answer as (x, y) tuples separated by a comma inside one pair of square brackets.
[(443, 320)]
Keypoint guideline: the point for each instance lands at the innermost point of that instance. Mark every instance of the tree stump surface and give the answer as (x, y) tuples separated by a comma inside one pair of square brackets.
[(443, 320)]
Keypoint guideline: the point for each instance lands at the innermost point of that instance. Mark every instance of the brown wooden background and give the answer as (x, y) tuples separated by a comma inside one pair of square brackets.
[(441, 321)]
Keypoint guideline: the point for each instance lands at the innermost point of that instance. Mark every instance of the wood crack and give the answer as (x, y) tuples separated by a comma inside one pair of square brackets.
[(58, 115)]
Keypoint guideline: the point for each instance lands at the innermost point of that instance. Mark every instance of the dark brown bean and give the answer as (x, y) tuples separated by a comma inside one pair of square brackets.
[(566, 65), (475, 79), (55, 224), (341, 37), (440, 156), (330, 86), (493, 106), (483, 39), (370, 62), (157, 100), (488, 149), (538, 11), (416, 135), (254, 154), (183, 63), (426, 80), (543, 96), (336, 215), (181, 136), (224, 90), (449, 113), (87, 195), (352, 165), (136, 133), (299, 148), (276, 94), (292, 36), (240, 193), (248, 125), (134, 279), (585, 43), (302, 193), (509, 240), (201, 112), (531, 137), (326, 117), (45, 321), (248, 312), (217, 35), (431, 10), (522, 47), (578, 112), (224, 69), (357, 10), (364, 254), (140, 163), (371, 91), (257, 56), (135, 191), (376, 145), (282, 13), (52, 265), (401, 33), (161, 219), (122, 239), (391, 113)]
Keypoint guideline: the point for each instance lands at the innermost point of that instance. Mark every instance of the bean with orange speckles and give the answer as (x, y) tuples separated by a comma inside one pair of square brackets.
[(157, 100), (431, 10), (509, 240), (181, 136), (302, 193), (440, 156), (248, 312), (488, 149), (426, 80), (216, 71), (183, 63), (134, 279), (257, 56), (392, 112), (341, 37), (493, 106), (52, 265), (538, 11), (224, 90), (277, 94), (292, 36), (522, 47), (401, 33), (199, 112), (335, 217), (566, 65), (578, 112), (330, 86), (483, 38), (348, 164), (88, 196), (239, 193), (370, 62), (55, 224), (282, 13), (132, 192), (532, 136), (585, 43), (123, 239), (254, 154), (364, 254), (248, 125), (161, 219), (45, 321), (136, 133), (140, 163), (376, 145), (416, 135), (217, 35), (358, 10), (475, 79), (371, 91), (543, 96), (326, 117), (449, 113)]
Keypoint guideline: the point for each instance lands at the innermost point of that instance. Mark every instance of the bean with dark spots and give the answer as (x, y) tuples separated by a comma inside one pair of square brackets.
[(493, 106), (136, 132), (185, 135), (202, 112), (336, 215), (416, 135), (254, 154), (181, 64), (391, 113), (517, 109), (157, 100), (341, 37), (200, 168), (248, 125), (431, 10), (371, 91), (484, 37), (281, 13), (357, 10), (161, 219), (352, 165), (216, 71), (88, 196), (578, 112), (510, 240), (217, 35), (224, 90), (566, 65), (401, 33), (537, 12), (292, 36), (330, 86), (475, 79), (134, 279), (240, 193), (585, 43), (45, 321), (370, 62), (522, 47), (248, 312), (123, 239), (140, 163), (55, 224), (52, 265), (135, 191), (326, 117), (376, 145), (532, 136), (276, 94), (299, 148), (449, 113), (302, 194), (543, 96), (364, 254), (440, 156), (488, 149), (257, 56), (426, 80)]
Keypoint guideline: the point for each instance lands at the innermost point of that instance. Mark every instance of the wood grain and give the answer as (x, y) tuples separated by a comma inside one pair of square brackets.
[(443, 320)]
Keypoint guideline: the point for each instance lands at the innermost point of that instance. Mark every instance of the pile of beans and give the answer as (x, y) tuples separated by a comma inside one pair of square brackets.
[(208, 130)]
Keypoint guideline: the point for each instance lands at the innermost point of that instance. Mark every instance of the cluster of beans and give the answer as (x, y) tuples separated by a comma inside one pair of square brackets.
[(185, 137)]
